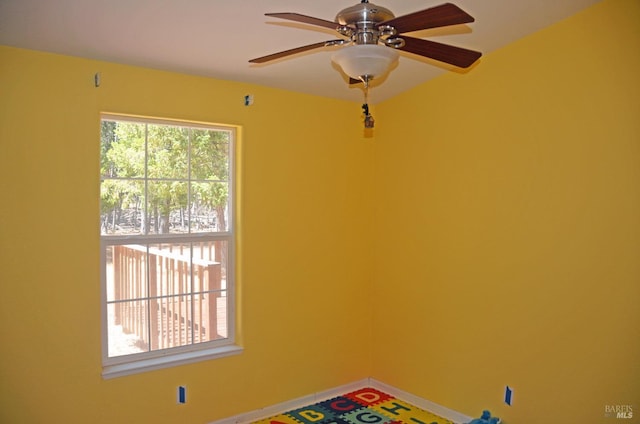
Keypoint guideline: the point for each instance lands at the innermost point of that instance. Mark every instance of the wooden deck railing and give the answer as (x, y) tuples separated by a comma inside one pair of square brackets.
[(172, 316)]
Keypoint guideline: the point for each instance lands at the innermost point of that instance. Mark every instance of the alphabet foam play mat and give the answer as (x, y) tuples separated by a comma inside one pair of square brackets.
[(364, 406)]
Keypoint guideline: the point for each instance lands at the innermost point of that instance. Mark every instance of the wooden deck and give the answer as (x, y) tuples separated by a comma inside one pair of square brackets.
[(159, 297)]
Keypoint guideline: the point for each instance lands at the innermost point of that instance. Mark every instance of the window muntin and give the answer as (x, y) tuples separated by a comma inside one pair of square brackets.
[(167, 238)]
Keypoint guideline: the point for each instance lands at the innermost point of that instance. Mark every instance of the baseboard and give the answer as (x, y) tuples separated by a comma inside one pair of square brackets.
[(421, 403), (280, 408)]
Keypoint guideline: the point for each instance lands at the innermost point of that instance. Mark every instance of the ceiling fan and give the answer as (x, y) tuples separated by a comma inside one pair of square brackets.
[(373, 34)]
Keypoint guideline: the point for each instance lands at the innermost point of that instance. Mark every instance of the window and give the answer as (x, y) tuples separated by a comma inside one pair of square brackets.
[(167, 243)]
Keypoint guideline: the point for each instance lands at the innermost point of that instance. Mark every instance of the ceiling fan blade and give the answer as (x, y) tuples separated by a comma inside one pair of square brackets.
[(439, 16), (305, 19), (456, 56), (289, 52)]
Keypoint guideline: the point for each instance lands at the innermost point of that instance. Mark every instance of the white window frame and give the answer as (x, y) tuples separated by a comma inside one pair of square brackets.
[(162, 358)]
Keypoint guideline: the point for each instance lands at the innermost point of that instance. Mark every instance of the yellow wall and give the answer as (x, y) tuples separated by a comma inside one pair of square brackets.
[(509, 227), (305, 250), (494, 214)]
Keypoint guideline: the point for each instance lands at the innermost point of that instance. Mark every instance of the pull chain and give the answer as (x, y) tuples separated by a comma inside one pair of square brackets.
[(368, 118)]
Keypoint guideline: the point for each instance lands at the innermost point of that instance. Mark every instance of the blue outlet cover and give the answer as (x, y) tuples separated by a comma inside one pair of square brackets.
[(182, 394), (508, 395)]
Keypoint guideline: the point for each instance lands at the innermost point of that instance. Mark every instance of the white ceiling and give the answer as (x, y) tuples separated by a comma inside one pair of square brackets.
[(216, 38)]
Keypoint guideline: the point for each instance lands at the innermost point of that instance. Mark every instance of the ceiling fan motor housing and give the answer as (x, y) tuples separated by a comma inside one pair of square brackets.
[(364, 17)]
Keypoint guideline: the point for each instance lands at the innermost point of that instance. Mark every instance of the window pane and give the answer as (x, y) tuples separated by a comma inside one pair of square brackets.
[(126, 272), (209, 284), (210, 155), (169, 269), (219, 322), (128, 330), (209, 208), (122, 207), (211, 256), (167, 207), (167, 149), (122, 147), (171, 322)]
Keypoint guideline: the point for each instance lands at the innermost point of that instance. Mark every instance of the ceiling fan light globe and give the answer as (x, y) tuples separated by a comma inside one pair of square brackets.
[(361, 60)]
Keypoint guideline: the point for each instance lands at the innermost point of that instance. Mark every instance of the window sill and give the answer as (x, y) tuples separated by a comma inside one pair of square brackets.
[(134, 367)]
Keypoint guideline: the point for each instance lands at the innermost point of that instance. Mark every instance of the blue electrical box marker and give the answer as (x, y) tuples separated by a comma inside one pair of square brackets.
[(182, 394), (508, 395)]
